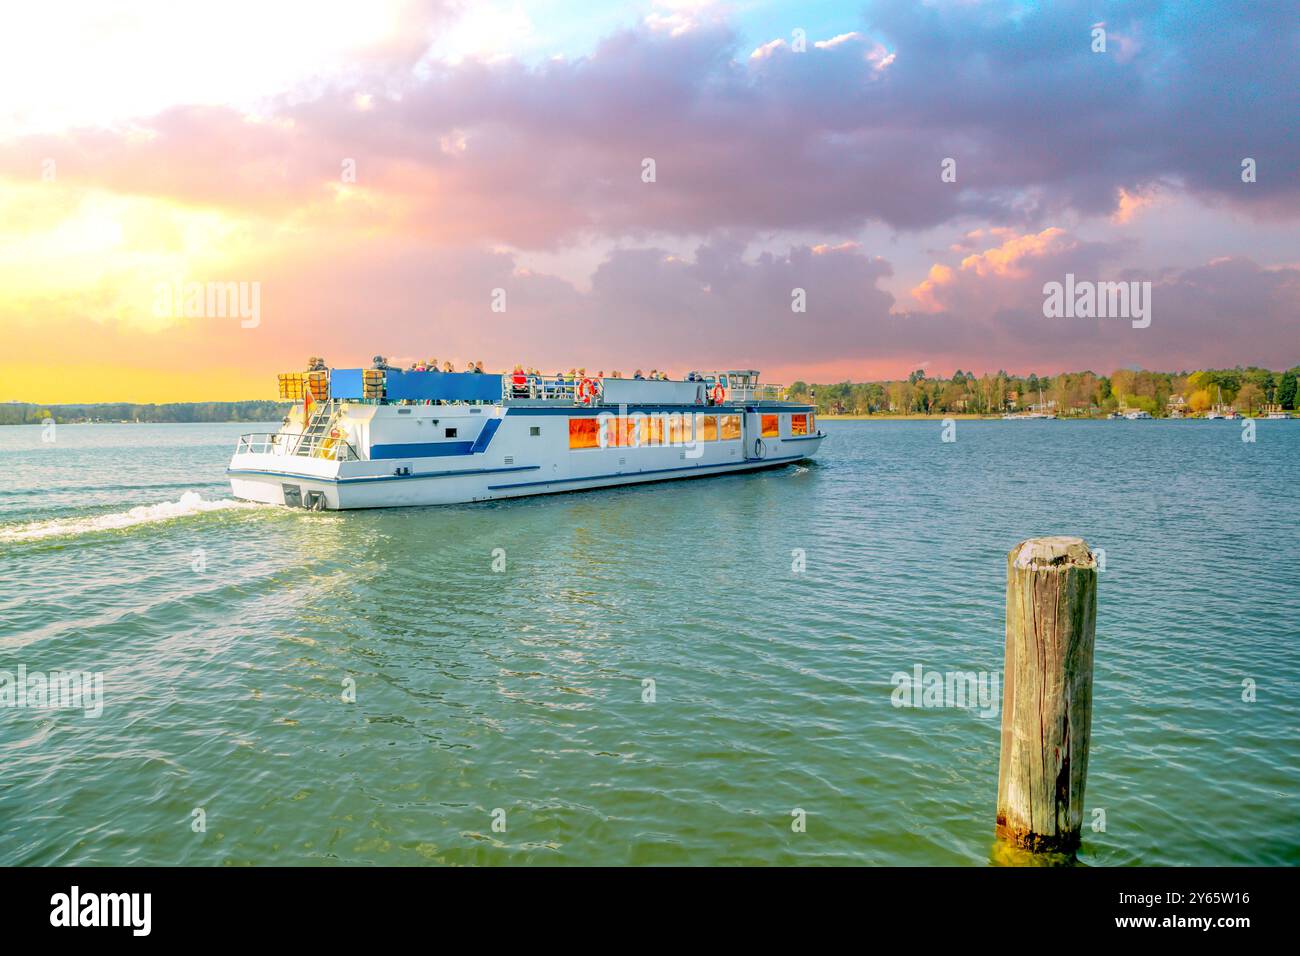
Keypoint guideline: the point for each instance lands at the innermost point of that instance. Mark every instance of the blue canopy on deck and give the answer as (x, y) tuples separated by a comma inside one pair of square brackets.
[(345, 383)]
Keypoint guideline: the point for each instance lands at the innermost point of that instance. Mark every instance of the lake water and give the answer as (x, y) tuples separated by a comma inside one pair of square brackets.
[(229, 635)]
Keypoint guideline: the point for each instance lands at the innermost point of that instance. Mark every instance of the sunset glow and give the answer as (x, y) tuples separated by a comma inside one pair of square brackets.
[(381, 174)]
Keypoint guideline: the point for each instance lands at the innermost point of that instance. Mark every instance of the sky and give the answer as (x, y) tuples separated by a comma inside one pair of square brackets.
[(818, 190)]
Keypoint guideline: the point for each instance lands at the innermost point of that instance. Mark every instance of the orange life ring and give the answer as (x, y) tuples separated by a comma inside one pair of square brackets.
[(587, 390), (719, 393), (335, 433)]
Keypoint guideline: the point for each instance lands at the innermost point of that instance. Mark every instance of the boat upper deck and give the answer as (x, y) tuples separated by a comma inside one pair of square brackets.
[(396, 386)]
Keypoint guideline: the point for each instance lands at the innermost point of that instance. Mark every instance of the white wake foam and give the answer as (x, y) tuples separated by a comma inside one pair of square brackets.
[(191, 503)]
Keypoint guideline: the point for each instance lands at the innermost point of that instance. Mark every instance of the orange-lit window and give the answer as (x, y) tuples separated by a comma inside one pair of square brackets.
[(640, 429), (771, 426), (681, 429), (730, 427), (656, 429), (710, 428), (619, 432), (799, 424), (812, 423), (584, 433)]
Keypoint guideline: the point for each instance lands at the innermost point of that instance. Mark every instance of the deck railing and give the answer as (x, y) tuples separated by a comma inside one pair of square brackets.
[(567, 390), (756, 393), (542, 387), (298, 444)]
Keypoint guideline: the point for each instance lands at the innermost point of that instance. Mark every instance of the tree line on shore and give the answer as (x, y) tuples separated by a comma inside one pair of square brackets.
[(1074, 394), (26, 413)]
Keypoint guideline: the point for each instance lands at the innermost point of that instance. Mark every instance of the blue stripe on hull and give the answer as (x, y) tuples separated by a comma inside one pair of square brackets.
[(362, 479), (441, 449), (485, 436), (438, 449), (583, 411), (656, 471)]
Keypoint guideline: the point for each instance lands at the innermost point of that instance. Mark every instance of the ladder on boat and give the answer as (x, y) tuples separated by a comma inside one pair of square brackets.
[(317, 430)]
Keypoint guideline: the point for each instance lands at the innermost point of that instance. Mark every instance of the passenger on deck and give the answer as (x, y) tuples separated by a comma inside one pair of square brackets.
[(478, 367), (637, 376), (519, 382), (448, 368)]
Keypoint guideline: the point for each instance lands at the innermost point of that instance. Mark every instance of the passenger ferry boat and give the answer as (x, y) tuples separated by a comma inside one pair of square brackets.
[(380, 438)]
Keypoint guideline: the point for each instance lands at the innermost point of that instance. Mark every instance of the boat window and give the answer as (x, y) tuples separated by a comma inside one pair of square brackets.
[(653, 432), (681, 429), (730, 427), (584, 433), (771, 426), (710, 428), (618, 432), (534, 431), (451, 433), (799, 424)]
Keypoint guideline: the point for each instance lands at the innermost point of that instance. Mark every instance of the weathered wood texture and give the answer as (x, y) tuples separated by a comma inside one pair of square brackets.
[(1047, 692)]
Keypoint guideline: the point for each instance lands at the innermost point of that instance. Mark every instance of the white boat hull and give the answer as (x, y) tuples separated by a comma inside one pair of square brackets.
[(496, 453)]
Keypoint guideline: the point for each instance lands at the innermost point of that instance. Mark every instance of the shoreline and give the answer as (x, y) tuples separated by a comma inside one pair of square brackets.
[(910, 417)]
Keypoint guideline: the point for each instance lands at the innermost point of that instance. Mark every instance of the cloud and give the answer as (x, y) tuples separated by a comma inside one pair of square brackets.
[(468, 165), (828, 139), (1196, 312), (647, 306)]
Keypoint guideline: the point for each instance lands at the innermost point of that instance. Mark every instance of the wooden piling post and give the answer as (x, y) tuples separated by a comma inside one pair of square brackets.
[(1047, 693)]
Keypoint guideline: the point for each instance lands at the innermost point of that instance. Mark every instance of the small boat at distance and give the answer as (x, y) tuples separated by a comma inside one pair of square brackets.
[(1220, 410), (382, 438), (1038, 411)]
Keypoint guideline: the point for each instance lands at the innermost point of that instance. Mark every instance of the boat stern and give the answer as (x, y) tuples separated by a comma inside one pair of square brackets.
[(261, 470)]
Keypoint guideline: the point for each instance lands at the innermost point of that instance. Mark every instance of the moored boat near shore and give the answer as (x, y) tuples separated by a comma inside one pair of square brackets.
[(375, 438)]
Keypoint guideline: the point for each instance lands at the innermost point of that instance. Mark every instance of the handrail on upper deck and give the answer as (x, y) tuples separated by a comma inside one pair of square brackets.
[(564, 389), (539, 387)]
